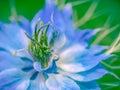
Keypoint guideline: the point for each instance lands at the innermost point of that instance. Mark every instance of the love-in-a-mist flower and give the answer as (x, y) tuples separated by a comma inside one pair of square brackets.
[(50, 55)]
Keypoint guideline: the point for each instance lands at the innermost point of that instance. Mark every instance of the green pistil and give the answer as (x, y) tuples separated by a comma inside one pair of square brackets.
[(39, 47)]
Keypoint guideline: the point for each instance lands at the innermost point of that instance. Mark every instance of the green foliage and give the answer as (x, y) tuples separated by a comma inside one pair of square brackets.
[(27, 8)]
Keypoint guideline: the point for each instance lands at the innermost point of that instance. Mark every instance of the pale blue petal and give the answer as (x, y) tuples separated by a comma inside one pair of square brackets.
[(59, 43), (68, 18), (8, 61), (59, 82), (67, 15), (12, 37), (77, 58), (37, 66), (10, 78), (96, 49), (37, 84), (23, 85), (90, 75)]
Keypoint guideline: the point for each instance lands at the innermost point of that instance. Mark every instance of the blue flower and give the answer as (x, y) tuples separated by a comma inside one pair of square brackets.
[(49, 55)]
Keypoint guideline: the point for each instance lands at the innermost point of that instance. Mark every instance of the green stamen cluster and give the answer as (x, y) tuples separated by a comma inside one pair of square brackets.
[(39, 46)]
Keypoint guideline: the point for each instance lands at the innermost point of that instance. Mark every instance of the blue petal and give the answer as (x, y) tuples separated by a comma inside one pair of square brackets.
[(60, 19), (57, 39), (37, 84), (83, 36), (8, 61), (93, 74), (25, 24), (78, 58), (23, 85), (90, 75), (92, 85), (12, 37), (59, 82), (67, 15), (52, 68), (49, 14), (9, 79)]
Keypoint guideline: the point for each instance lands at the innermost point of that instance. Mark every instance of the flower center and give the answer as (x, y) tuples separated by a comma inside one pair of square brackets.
[(39, 47)]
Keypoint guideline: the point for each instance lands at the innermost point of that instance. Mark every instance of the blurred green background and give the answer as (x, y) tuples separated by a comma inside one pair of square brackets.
[(27, 8), (87, 14)]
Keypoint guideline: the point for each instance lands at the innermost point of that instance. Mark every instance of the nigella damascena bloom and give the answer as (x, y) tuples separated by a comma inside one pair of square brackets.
[(50, 54)]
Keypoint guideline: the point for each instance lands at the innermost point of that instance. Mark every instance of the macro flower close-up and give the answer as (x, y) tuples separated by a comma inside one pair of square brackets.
[(50, 53)]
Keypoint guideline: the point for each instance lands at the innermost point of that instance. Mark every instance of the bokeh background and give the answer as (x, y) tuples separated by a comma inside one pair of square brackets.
[(87, 14)]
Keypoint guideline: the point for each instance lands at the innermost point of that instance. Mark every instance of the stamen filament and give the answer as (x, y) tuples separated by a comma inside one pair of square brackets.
[(39, 47)]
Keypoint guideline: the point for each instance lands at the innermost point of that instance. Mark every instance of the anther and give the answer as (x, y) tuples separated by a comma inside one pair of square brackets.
[(18, 51)]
